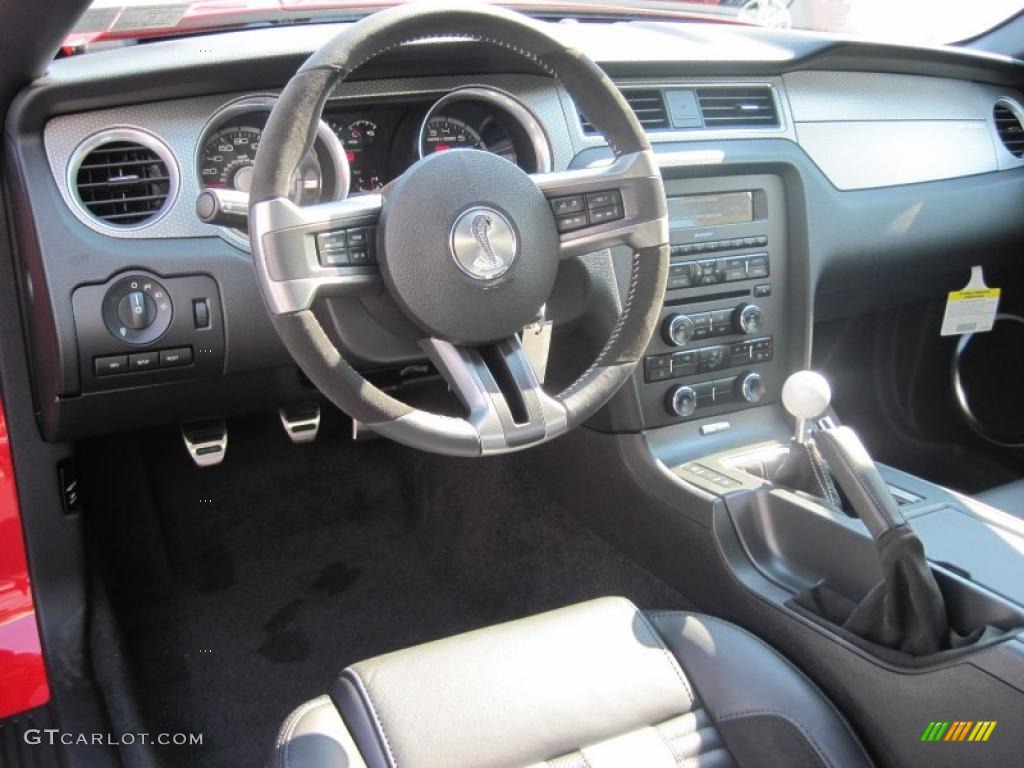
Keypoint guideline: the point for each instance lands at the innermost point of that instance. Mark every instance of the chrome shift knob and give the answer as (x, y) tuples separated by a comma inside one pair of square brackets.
[(806, 395)]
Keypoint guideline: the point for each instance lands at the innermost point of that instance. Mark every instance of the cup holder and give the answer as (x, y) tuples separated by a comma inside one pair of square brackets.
[(987, 369)]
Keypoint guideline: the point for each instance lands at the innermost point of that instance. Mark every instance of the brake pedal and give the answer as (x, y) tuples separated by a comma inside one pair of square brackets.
[(301, 422), (206, 441)]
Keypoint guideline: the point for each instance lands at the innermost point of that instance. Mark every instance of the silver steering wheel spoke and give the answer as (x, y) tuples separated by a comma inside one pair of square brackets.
[(305, 252), (622, 203), (507, 407)]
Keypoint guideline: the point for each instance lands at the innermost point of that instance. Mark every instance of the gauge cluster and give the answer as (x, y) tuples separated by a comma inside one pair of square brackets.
[(361, 146)]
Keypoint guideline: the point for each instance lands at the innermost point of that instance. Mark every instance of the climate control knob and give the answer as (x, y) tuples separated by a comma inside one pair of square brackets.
[(748, 318), (752, 387), (682, 401), (678, 330)]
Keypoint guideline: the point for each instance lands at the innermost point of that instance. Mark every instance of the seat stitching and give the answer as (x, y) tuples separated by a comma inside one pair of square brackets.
[(814, 686), (739, 715), (373, 711), (669, 656), (284, 739)]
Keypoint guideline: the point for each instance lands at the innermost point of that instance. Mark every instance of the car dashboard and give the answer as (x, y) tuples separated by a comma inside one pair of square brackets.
[(806, 177)]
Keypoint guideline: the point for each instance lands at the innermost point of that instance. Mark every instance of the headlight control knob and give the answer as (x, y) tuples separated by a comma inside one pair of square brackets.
[(682, 401), (748, 318), (678, 330), (137, 310)]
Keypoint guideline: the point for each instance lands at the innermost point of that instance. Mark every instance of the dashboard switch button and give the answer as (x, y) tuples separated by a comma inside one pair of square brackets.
[(106, 366), (173, 358), (201, 313), (144, 361)]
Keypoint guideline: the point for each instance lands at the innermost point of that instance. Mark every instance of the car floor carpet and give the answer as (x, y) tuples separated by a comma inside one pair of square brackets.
[(242, 590)]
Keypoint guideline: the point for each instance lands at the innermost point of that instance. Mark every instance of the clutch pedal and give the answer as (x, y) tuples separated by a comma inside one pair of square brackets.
[(301, 422), (206, 441)]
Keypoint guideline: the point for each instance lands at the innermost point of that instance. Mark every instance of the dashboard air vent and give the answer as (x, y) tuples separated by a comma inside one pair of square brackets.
[(122, 179), (737, 107), (1009, 127), (649, 106)]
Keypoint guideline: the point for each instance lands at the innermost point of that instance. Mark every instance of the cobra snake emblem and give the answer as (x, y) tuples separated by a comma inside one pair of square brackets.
[(487, 261)]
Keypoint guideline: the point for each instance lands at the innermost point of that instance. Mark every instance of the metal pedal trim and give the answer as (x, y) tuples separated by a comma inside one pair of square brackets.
[(206, 441), (301, 423)]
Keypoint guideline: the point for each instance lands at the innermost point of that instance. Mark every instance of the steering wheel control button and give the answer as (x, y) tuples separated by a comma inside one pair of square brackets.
[(136, 310), (563, 206), (572, 221), (577, 211), (610, 198), (143, 361), (175, 358), (107, 366), (483, 243)]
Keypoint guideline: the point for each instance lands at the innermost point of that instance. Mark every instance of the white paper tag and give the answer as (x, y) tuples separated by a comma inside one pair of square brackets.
[(972, 309)]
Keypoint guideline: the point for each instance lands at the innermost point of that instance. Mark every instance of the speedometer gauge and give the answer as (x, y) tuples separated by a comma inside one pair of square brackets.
[(227, 159), (443, 133)]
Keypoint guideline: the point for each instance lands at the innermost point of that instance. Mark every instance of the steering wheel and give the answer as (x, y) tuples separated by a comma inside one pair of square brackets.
[(467, 245)]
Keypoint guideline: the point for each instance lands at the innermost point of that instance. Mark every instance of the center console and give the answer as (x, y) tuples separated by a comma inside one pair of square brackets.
[(722, 335)]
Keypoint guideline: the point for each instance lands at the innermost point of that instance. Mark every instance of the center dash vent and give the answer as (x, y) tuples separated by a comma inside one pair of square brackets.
[(1009, 127), (737, 107), (123, 178), (649, 106)]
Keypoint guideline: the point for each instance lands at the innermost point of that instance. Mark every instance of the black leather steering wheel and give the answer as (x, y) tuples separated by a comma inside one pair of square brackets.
[(466, 242)]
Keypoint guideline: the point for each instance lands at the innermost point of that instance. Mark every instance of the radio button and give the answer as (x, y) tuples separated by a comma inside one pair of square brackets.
[(723, 390), (701, 325), (678, 330), (748, 318), (684, 364), (762, 290)]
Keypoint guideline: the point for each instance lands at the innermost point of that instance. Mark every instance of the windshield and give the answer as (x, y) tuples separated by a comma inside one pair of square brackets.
[(903, 21)]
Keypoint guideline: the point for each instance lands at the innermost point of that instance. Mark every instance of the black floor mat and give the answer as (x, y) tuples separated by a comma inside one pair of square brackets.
[(244, 589)]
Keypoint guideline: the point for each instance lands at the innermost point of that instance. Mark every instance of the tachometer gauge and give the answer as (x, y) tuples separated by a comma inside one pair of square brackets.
[(227, 159), (443, 133)]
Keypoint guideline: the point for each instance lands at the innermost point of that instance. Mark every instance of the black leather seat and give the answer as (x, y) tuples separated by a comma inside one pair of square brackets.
[(596, 685), (1009, 498)]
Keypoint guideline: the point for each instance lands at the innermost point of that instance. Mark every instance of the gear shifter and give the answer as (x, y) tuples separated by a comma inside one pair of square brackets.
[(905, 611), (806, 395)]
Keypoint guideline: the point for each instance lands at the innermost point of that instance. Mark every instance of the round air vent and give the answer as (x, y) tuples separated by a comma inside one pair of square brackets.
[(123, 178), (1010, 126)]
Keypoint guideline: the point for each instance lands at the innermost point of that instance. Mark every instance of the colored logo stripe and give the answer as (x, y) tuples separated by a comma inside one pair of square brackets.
[(982, 730), (958, 730)]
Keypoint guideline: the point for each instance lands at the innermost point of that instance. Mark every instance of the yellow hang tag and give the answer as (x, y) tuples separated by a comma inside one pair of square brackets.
[(972, 309)]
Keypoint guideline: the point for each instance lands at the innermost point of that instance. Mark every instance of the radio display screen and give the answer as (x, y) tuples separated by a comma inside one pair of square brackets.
[(711, 210)]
